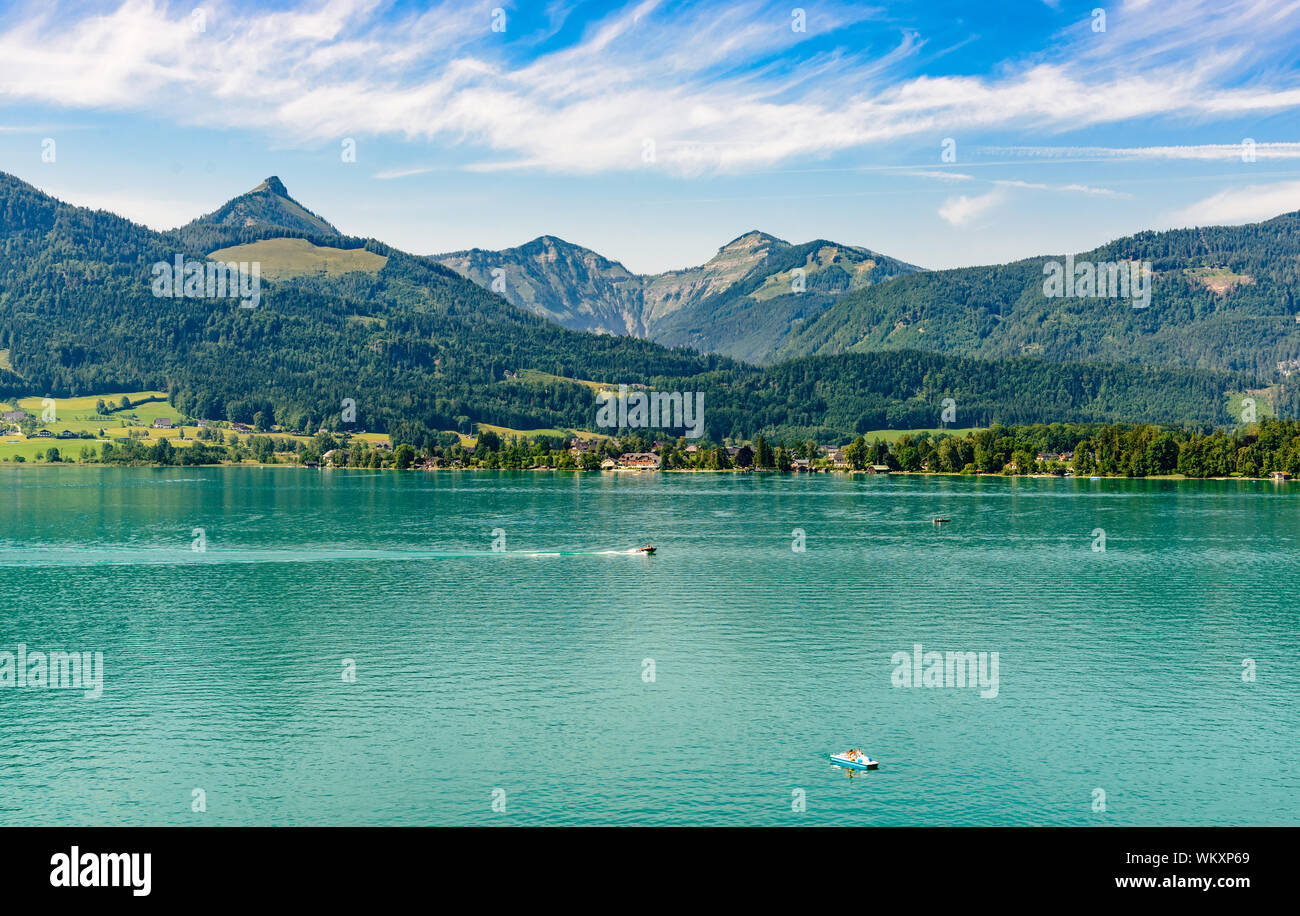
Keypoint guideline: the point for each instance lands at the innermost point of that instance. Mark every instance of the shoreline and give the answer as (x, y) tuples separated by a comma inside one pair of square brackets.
[(824, 471)]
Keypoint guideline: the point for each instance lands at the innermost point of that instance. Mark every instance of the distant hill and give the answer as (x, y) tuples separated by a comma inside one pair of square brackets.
[(742, 303), (1223, 297), (267, 205), (568, 284)]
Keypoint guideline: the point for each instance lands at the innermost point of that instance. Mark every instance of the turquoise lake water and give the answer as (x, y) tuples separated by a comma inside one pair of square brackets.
[(521, 678)]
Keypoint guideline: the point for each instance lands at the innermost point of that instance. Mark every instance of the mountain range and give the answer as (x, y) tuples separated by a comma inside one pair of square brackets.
[(1223, 297), (422, 350), (742, 302)]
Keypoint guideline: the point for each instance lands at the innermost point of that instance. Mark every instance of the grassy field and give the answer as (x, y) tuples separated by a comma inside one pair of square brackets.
[(69, 449), (893, 435), (1237, 407), (284, 258), (506, 432), (535, 375), (78, 415), (1219, 280)]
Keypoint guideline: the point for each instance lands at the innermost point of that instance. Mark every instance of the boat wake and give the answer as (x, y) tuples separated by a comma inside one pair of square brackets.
[(37, 557)]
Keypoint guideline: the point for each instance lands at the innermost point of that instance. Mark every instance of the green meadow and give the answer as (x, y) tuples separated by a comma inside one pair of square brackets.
[(893, 435), (506, 432), (536, 375), (1237, 407), (285, 258), (78, 415)]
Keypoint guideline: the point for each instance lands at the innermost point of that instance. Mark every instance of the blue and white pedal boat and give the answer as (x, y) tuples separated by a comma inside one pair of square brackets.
[(853, 761)]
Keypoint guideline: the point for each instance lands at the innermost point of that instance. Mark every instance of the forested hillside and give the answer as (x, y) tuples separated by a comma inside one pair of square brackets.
[(415, 344), (78, 317), (1223, 297)]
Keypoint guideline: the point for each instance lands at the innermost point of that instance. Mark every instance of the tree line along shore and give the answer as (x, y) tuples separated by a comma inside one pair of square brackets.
[(1269, 448)]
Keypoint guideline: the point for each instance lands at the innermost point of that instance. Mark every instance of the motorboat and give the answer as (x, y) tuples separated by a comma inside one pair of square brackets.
[(647, 550)]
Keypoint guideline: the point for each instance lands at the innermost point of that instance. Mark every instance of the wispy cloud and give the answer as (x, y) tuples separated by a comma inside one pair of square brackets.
[(1241, 205), (1197, 152), (712, 89), (962, 211), (400, 173), (937, 174), (1068, 188)]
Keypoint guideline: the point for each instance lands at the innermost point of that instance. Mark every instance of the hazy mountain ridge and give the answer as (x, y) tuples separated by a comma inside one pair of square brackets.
[(741, 302)]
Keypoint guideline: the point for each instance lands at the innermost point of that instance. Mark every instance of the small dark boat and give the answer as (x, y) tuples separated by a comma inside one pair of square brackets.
[(940, 521), (647, 550)]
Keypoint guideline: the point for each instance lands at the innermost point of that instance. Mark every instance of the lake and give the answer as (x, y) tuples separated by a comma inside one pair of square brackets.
[(347, 647)]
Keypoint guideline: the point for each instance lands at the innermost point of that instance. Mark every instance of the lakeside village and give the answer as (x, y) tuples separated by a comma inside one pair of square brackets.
[(145, 429)]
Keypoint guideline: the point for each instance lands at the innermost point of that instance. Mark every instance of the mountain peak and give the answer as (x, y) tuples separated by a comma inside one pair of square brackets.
[(552, 240), (268, 205), (274, 185), (752, 239)]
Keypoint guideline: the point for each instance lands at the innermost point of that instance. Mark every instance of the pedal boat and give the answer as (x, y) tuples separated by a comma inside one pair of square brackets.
[(853, 761)]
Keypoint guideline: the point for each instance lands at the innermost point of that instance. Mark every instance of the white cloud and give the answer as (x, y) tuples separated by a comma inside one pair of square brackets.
[(961, 211), (399, 173), (938, 175), (1072, 188), (1198, 152), (700, 82), (1241, 205)]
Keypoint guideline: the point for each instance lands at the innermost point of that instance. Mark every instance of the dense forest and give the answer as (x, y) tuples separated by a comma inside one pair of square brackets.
[(1223, 297), (422, 351)]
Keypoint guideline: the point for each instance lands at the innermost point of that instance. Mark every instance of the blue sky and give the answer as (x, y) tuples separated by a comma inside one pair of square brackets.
[(655, 132)]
